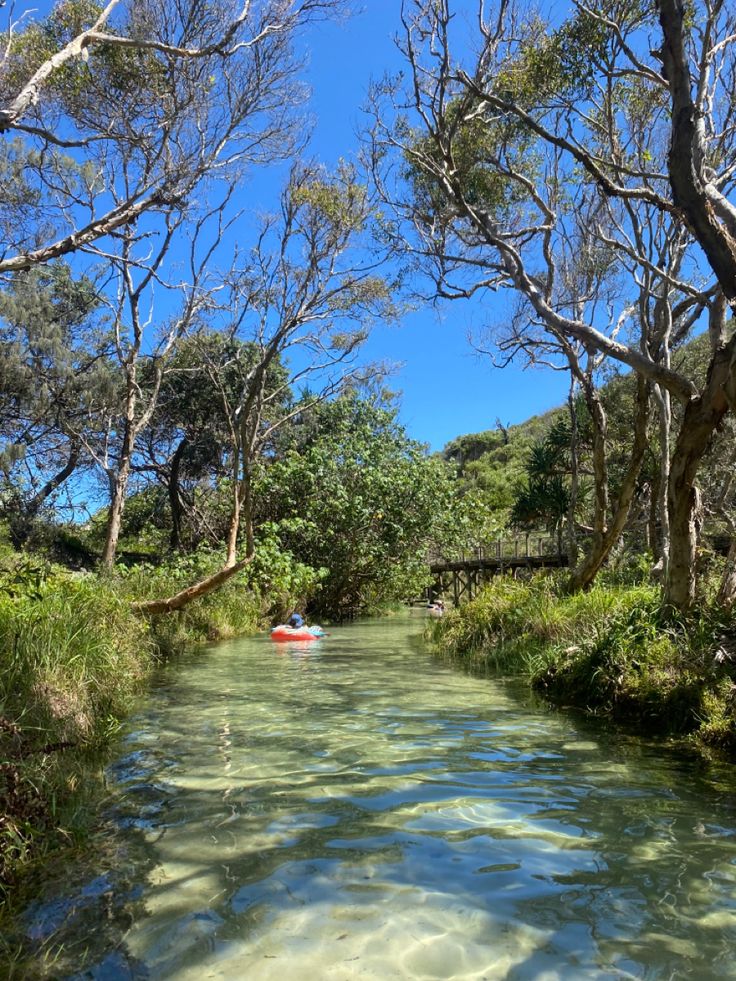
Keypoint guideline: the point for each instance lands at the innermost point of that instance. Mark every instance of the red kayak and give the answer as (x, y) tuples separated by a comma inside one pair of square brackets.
[(284, 632)]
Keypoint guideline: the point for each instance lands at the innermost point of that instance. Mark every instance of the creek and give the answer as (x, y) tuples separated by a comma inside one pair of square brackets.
[(356, 808)]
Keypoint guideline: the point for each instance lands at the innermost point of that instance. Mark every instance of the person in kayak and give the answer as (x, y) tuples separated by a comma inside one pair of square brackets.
[(296, 620)]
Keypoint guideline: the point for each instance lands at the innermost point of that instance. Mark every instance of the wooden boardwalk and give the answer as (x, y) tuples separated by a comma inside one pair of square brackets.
[(463, 576)]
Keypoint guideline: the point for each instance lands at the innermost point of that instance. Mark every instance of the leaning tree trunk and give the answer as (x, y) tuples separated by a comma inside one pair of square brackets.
[(234, 528), (727, 590), (700, 420), (186, 596), (653, 521), (602, 543), (683, 504), (208, 585)]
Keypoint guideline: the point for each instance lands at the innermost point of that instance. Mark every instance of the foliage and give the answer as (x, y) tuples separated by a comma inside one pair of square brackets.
[(72, 655), (560, 62), (55, 383), (361, 501), (227, 612), (492, 463), (512, 619), (280, 581)]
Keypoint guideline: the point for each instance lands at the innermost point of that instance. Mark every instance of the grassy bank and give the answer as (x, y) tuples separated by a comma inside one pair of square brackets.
[(74, 656), (613, 651)]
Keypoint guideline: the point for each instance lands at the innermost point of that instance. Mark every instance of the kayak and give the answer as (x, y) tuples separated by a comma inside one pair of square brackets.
[(284, 632)]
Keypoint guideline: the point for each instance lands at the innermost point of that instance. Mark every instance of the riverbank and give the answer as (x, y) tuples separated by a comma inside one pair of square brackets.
[(613, 651), (75, 656)]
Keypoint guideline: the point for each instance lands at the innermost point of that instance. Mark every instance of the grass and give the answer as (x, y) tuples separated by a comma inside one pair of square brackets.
[(613, 651), (73, 657)]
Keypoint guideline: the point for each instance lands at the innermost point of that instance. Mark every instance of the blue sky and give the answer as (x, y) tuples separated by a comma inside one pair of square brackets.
[(446, 388)]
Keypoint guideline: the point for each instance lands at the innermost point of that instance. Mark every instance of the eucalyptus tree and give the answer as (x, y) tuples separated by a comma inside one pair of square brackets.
[(588, 285), (499, 147), (150, 313)]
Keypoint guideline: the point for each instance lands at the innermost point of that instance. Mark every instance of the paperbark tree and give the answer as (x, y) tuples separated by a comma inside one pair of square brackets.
[(144, 349)]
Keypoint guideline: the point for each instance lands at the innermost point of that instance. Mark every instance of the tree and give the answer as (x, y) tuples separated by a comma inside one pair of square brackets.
[(181, 92), (545, 499), (499, 155), (55, 383), (187, 443), (308, 294), (363, 502), (143, 351)]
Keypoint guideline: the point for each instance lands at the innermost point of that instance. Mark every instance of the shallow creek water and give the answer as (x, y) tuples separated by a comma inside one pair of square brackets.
[(356, 808)]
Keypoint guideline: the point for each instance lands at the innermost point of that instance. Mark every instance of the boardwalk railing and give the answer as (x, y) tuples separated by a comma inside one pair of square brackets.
[(529, 546), (464, 573)]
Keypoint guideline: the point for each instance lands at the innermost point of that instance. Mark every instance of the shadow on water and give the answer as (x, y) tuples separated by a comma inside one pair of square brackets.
[(363, 810)]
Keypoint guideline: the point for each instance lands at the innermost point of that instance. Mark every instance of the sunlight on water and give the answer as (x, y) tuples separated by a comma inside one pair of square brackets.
[(355, 808)]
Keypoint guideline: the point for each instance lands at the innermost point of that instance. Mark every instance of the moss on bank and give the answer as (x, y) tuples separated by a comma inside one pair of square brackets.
[(73, 657), (612, 651)]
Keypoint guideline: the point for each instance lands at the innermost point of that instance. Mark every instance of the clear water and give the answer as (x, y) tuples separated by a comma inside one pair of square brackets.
[(355, 808)]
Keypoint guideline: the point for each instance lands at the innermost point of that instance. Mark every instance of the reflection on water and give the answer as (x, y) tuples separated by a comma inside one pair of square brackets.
[(354, 808)]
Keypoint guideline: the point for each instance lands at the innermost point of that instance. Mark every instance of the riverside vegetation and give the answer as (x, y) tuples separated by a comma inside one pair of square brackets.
[(614, 651), (190, 443), (77, 644), (75, 654)]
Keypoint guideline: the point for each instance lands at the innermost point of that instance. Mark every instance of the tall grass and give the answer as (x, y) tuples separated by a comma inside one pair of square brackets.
[(613, 650), (73, 655), (530, 616)]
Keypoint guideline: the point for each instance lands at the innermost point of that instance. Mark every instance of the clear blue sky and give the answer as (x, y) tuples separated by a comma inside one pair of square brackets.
[(446, 388)]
